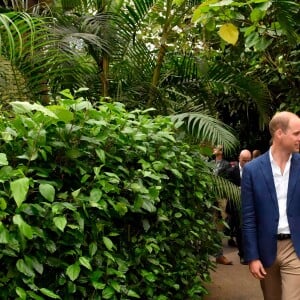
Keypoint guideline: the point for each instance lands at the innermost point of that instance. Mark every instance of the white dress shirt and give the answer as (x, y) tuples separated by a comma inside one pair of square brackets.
[(281, 182)]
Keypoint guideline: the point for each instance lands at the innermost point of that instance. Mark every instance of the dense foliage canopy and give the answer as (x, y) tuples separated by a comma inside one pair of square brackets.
[(105, 196), (234, 60), (101, 203)]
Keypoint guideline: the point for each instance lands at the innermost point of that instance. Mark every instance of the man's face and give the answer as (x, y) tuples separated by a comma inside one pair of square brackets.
[(217, 151), (244, 158), (291, 137)]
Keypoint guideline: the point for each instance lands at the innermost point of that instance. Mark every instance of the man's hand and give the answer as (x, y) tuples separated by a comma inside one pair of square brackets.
[(257, 270)]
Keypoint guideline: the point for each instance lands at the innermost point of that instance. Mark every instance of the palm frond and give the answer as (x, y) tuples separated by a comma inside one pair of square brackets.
[(50, 54), (287, 13), (13, 83), (135, 12), (223, 188), (16, 30), (223, 78), (206, 129)]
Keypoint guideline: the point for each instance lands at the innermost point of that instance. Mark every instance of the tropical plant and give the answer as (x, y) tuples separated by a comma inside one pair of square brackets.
[(125, 51), (265, 35), (101, 203)]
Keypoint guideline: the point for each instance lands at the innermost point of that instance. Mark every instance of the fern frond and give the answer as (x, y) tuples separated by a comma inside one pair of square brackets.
[(206, 129)]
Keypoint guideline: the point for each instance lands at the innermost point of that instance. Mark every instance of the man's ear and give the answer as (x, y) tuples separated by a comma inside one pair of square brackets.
[(278, 132)]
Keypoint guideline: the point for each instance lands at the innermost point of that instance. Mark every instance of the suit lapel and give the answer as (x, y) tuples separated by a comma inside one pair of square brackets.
[(293, 177), (266, 170)]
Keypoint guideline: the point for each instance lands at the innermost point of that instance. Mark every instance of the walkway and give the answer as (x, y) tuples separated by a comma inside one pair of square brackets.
[(233, 282)]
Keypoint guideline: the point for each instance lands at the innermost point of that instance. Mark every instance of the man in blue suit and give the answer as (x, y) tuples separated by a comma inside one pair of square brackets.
[(270, 192)]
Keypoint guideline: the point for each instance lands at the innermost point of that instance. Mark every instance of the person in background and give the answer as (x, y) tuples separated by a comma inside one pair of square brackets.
[(270, 193), (255, 153), (221, 165), (234, 174)]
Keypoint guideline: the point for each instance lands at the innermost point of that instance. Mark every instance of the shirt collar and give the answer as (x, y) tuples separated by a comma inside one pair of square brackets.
[(272, 159)]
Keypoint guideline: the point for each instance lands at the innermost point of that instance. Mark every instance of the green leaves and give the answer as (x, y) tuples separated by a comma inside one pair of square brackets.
[(73, 271), (4, 234), (256, 15), (19, 189), (25, 107), (25, 229), (85, 224), (60, 222), (47, 191), (224, 13), (108, 243), (3, 159), (84, 261), (49, 293)]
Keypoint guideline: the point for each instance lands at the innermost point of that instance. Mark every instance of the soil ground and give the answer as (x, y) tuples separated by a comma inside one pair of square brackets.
[(233, 282)]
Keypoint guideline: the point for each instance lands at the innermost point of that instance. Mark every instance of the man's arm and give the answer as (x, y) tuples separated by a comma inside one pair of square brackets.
[(249, 226)]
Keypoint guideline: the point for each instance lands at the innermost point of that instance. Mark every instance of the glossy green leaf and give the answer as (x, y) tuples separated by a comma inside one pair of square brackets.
[(203, 8), (108, 243), (60, 222), (34, 263), (25, 229), (62, 113), (121, 208), (149, 206), (19, 189), (251, 40), (47, 191), (149, 276), (73, 271), (4, 234), (263, 44), (108, 293), (256, 15), (3, 159), (115, 285), (95, 195), (98, 285), (34, 295), (3, 204), (109, 256), (84, 261), (24, 268), (49, 293), (21, 293), (133, 294), (26, 107), (210, 24), (76, 193), (101, 154), (93, 248)]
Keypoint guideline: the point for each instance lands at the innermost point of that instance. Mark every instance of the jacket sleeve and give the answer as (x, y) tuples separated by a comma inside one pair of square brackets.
[(249, 228)]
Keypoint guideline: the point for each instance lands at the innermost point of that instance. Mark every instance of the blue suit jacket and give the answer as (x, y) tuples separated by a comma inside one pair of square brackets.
[(260, 212)]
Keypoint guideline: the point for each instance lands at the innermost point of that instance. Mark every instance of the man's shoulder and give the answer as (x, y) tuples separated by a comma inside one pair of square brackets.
[(296, 155), (258, 161)]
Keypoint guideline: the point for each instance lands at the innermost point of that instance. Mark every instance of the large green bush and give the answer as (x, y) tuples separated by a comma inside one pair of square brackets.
[(100, 203)]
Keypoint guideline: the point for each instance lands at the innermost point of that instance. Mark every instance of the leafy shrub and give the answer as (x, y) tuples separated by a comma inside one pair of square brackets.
[(100, 203)]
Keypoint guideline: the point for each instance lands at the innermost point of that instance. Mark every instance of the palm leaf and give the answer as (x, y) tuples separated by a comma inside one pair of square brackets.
[(48, 54), (135, 12), (13, 84), (221, 78), (206, 129), (287, 13), (223, 188)]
